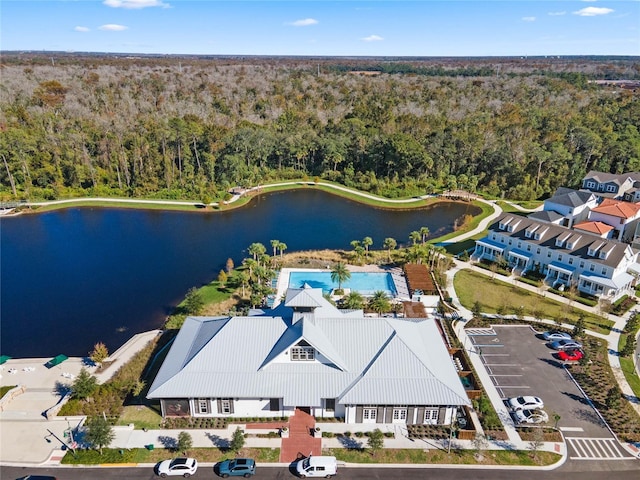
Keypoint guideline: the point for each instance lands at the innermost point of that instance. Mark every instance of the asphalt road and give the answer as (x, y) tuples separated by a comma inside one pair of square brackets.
[(582, 470)]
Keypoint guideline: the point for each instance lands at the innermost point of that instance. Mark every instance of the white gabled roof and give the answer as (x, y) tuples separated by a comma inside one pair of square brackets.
[(358, 360)]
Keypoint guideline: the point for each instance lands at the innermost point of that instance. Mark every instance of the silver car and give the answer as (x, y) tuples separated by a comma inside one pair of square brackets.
[(565, 345), (552, 336)]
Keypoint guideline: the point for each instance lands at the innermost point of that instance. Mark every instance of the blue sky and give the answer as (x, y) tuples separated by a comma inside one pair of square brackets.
[(308, 27)]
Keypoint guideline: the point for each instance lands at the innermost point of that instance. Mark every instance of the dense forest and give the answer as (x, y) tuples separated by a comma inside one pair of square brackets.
[(189, 127)]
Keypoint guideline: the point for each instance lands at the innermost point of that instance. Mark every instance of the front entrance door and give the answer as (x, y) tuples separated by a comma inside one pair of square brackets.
[(306, 410)]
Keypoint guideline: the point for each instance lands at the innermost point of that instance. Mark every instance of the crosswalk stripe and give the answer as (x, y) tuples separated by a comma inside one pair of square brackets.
[(596, 449)]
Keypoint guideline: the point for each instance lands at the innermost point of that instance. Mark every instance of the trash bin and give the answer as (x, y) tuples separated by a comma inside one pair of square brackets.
[(149, 447)]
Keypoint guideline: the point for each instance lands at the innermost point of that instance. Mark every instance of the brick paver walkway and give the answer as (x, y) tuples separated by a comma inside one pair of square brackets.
[(301, 442)]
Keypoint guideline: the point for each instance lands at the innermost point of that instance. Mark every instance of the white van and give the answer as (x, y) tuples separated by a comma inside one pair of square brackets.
[(317, 467)]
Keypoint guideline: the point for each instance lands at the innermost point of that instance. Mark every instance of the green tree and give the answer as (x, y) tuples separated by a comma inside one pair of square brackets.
[(390, 244), (339, 274), (379, 303), (256, 250), (275, 244), (185, 442), (193, 301), (84, 385), (99, 353), (424, 233), (353, 301), (578, 328), (99, 432), (629, 347), (613, 398), (477, 309), (375, 441), (222, 278), (237, 440), (282, 247), (415, 237), (366, 243)]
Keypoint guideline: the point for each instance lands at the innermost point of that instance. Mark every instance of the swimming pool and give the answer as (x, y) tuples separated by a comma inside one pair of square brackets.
[(364, 282)]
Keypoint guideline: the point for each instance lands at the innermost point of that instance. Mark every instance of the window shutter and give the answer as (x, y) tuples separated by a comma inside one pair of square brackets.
[(441, 414), (410, 416), (231, 405), (388, 418), (219, 405), (359, 414), (420, 415), (380, 415)]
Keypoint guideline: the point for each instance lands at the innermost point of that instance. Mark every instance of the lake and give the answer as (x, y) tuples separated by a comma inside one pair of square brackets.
[(78, 276)]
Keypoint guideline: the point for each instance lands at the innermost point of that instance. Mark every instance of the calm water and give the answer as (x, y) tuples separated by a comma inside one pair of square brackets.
[(363, 282), (71, 278)]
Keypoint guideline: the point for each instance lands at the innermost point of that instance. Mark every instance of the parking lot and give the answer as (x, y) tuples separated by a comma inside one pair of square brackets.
[(520, 363)]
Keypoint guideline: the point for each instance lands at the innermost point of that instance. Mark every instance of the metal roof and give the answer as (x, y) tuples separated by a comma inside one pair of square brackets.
[(358, 360)]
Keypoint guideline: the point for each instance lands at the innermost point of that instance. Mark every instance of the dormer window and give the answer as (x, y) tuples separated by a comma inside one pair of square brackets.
[(502, 226), (559, 242), (536, 236), (603, 254), (303, 352)]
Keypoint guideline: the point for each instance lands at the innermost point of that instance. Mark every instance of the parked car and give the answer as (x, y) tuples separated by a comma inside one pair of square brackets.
[(37, 477), (553, 335), (182, 466), (320, 466), (530, 416), (238, 467), (525, 403), (565, 345), (570, 355)]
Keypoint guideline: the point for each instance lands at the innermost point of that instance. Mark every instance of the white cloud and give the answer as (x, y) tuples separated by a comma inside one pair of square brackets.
[(528, 19), (112, 27), (372, 38), (593, 11), (556, 14), (135, 4), (81, 29), (305, 22)]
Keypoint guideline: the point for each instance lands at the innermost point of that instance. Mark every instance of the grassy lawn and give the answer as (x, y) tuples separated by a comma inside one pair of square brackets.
[(271, 455), (142, 455), (437, 456), (629, 370), (142, 416), (495, 295), (4, 390)]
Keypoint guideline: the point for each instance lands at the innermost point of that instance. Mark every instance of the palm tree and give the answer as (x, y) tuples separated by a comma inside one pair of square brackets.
[(424, 232), (379, 303), (339, 274), (282, 246), (353, 301), (390, 244), (415, 236), (244, 280), (257, 249), (367, 242), (275, 244)]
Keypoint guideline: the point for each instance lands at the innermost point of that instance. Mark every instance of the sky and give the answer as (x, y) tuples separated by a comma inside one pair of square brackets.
[(324, 28)]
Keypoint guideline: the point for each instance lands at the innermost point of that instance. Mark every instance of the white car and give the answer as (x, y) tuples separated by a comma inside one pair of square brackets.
[(552, 336), (178, 467), (525, 403), (530, 416)]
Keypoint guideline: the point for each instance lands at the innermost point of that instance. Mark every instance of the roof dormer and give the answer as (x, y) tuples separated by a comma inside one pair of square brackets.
[(561, 239), (530, 231), (592, 251), (573, 241)]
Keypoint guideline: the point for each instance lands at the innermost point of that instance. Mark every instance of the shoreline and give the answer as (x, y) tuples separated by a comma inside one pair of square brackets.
[(238, 200)]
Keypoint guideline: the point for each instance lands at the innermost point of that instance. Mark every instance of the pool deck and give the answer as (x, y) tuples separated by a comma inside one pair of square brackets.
[(400, 282)]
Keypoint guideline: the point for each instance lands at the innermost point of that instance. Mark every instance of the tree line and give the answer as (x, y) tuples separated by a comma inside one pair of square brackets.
[(190, 128)]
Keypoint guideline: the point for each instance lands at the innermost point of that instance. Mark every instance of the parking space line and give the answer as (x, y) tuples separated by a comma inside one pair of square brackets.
[(502, 365), (571, 429), (505, 375)]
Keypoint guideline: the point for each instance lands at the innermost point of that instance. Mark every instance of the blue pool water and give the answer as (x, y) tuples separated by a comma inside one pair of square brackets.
[(363, 282)]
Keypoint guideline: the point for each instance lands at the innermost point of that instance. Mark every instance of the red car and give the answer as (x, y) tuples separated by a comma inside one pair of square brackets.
[(570, 355)]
